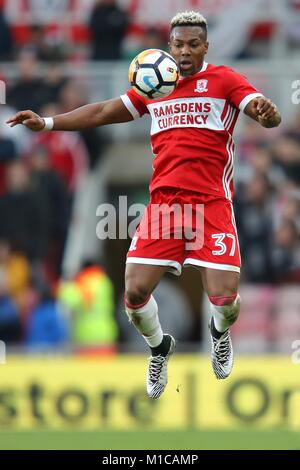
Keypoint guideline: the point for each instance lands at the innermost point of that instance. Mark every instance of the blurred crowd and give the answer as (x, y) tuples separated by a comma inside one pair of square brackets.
[(39, 176), (107, 34), (40, 173), (267, 202), (114, 30)]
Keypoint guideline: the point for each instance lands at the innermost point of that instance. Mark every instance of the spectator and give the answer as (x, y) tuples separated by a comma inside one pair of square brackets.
[(73, 95), (284, 256), (7, 153), (47, 327), (89, 299), (47, 187), (259, 161), (6, 44), (27, 92), (67, 152), (47, 47), (287, 156), (20, 139), (53, 84), (291, 212), (7, 149), (10, 324), (252, 137), (24, 216), (108, 24), (15, 269), (254, 220)]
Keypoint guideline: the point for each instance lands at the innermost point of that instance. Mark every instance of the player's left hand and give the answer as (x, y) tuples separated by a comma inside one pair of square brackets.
[(264, 108), (264, 111)]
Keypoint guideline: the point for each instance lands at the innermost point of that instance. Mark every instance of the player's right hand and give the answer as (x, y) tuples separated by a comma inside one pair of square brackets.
[(29, 119)]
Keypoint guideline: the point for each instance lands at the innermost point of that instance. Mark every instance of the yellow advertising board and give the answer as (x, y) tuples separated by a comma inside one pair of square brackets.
[(109, 393)]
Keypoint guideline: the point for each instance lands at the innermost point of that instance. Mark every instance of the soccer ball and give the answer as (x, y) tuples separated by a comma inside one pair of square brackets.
[(153, 74)]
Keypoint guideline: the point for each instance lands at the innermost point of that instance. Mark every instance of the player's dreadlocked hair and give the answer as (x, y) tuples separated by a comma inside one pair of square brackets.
[(189, 18)]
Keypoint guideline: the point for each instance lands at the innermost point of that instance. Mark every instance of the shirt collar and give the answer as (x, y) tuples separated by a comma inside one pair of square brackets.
[(204, 67)]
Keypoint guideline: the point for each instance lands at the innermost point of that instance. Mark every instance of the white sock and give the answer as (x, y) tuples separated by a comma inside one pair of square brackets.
[(225, 315), (146, 321)]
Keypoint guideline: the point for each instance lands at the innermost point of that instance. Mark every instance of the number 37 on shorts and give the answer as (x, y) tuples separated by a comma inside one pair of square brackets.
[(221, 247)]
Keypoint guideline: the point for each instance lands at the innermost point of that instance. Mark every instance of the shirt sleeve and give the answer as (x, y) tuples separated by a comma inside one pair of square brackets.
[(238, 90), (134, 103)]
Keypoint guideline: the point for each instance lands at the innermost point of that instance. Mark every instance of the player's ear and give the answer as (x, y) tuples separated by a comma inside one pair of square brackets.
[(206, 46)]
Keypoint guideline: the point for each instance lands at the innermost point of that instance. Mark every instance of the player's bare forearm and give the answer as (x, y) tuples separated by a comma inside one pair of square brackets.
[(86, 117), (263, 111), (93, 115)]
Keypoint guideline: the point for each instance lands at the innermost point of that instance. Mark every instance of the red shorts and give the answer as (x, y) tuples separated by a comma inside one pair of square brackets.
[(181, 228)]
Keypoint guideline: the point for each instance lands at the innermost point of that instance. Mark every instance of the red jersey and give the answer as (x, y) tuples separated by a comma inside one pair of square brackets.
[(191, 131)]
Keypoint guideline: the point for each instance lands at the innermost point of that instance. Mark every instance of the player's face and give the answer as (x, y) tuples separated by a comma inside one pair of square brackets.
[(188, 46)]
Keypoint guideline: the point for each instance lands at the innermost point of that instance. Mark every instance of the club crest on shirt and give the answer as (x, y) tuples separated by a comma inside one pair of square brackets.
[(201, 86)]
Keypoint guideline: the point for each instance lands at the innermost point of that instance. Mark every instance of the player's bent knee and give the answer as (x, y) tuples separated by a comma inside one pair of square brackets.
[(136, 295), (229, 306)]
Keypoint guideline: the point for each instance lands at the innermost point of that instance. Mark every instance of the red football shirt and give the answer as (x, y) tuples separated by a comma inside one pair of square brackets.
[(191, 131)]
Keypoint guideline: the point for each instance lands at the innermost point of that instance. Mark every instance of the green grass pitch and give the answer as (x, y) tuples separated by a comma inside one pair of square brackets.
[(150, 440)]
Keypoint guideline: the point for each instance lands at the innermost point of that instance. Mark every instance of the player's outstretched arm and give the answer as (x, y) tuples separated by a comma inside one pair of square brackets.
[(86, 117), (265, 112)]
